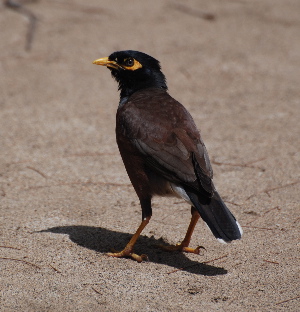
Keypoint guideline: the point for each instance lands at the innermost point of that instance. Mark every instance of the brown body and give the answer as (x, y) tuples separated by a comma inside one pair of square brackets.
[(160, 151)]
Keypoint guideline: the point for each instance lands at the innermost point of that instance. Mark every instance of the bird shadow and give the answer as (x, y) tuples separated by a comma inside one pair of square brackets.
[(101, 240)]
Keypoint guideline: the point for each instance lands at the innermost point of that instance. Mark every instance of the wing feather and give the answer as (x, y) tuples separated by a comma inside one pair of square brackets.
[(171, 142)]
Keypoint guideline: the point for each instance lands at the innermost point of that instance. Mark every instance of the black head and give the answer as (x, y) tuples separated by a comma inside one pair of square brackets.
[(134, 71)]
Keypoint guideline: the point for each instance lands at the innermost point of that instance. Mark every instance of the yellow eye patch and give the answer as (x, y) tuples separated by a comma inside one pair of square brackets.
[(131, 64)]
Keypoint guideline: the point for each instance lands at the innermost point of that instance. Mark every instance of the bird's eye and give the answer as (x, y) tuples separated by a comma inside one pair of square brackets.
[(129, 61)]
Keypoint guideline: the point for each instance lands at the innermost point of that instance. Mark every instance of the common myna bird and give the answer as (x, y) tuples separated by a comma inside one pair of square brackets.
[(162, 150)]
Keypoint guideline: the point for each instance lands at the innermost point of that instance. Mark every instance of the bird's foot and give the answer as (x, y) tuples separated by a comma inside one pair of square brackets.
[(128, 254), (181, 247)]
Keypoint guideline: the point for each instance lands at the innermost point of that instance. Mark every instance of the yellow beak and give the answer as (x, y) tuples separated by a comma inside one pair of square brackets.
[(104, 61)]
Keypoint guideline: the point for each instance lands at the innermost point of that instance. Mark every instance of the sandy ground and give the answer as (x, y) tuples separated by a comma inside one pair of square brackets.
[(65, 197)]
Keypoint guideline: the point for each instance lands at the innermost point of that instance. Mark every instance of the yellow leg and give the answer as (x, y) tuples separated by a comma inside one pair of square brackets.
[(183, 246), (128, 250)]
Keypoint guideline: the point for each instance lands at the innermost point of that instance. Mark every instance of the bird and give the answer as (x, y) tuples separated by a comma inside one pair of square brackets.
[(162, 151)]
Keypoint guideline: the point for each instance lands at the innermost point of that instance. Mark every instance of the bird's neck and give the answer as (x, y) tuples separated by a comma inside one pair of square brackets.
[(127, 91), (130, 85)]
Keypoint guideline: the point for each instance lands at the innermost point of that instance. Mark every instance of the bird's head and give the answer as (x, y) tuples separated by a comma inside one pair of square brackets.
[(133, 71)]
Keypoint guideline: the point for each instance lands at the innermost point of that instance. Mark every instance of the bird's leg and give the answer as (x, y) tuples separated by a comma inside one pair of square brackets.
[(128, 250), (183, 246)]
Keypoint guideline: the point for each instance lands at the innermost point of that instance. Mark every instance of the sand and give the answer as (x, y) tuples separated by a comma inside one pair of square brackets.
[(65, 198)]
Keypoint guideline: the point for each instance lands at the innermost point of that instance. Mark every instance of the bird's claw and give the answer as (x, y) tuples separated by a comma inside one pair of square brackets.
[(193, 250), (125, 253), (182, 248)]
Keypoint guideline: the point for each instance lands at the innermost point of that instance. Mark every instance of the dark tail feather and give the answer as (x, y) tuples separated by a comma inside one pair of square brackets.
[(217, 216)]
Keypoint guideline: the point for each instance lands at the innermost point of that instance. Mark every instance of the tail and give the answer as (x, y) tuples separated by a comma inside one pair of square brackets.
[(217, 216)]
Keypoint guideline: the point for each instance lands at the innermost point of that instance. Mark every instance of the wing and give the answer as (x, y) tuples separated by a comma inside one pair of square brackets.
[(165, 133)]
